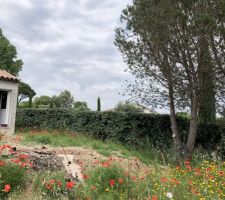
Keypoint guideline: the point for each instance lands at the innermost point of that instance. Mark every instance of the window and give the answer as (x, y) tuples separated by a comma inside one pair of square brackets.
[(3, 99)]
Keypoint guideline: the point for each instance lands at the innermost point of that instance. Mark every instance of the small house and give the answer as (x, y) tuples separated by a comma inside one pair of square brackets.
[(8, 100)]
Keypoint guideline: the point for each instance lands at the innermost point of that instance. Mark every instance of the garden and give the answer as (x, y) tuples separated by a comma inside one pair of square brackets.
[(40, 162)]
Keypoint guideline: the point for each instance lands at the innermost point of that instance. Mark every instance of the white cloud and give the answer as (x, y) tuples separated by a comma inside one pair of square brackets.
[(67, 44)]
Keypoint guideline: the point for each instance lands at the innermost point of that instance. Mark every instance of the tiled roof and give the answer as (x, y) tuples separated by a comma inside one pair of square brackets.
[(4, 75)]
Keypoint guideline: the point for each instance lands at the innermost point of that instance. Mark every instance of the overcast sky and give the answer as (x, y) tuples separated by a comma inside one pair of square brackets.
[(67, 44)]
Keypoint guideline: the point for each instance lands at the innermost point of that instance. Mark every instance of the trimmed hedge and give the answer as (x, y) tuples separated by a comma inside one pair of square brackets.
[(134, 129)]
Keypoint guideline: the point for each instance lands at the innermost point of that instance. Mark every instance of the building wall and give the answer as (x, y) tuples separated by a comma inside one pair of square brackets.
[(12, 89)]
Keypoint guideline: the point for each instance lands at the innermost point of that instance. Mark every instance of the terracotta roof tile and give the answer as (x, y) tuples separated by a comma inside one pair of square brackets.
[(4, 75)]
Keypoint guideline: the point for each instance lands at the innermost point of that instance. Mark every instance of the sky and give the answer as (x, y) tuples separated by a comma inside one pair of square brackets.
[(68, 44)]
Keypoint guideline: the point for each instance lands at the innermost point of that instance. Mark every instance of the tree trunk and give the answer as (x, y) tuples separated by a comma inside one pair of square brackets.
[(193, 127), (174, 128)]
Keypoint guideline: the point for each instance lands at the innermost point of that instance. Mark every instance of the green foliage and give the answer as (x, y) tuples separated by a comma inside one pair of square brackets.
[(98, 104), (25, 91), (80, 106), (42, 101), (135, 129), (128, 107), (24, 104), (8, 56)]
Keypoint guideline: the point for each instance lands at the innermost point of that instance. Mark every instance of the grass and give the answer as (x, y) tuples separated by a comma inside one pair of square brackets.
[(106, 148), (200, 179)]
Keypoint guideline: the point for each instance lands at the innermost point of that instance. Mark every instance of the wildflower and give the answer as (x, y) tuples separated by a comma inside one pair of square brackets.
[(154, 197), (52, 181), (106, 189), (169, 195), (112, 182), (133, 178), (59, 183), (69, 185), (85, 176), (105, 164), (23, 156), (7, 188), (120, 181), (164, 179), (48, 186), (2, 163), (187, 162)]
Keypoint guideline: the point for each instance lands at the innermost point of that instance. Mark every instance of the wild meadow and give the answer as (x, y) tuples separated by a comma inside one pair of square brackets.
[(111, 177)]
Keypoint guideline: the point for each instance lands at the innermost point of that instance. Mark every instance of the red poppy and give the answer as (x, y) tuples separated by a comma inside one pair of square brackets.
[(52, 181), (85, 176), (164, 179), (2, 163), (48, 186), (154, 197), (134, 178), (23, 156), (105, 164), (7, 188), (59, 183), (120, 181), (112, 182), (69, 185), (187, 162)]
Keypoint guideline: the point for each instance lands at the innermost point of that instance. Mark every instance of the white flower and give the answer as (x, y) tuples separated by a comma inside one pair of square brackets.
[(169, 195)]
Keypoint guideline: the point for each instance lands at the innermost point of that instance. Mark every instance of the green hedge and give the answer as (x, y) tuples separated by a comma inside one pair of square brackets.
[(129, 128)]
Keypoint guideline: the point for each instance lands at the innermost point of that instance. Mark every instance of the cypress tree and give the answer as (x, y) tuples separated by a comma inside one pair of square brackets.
[(98, 104)]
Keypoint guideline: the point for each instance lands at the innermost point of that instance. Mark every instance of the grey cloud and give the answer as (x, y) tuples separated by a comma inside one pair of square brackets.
[(67, 44)]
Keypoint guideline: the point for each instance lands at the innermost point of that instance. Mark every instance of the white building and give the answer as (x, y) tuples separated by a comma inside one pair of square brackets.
[(8, 101)]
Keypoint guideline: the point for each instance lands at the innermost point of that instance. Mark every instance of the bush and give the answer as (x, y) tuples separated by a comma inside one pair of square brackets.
[(136, 129)]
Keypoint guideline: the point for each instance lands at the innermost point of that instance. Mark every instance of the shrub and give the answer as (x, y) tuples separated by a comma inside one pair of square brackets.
[(136, 129)]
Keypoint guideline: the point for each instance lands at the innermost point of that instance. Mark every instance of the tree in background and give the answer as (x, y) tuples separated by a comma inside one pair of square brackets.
[(8, 56), (64, 100), (171, 47), (43, 101), (128, 107), (98, 104), (80, 106), (25, 91)]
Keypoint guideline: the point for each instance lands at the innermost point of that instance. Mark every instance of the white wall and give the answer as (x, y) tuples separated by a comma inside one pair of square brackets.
[(12, 89)]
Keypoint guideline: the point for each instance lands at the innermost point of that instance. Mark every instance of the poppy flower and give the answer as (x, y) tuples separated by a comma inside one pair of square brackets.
[(154, 197), (7, 188), (52, 181), (69, 185), (85, 176), (2, 163), (48, 186), (134, 178), (112, 182), (59, 183), (164, 179), (120, 181)]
